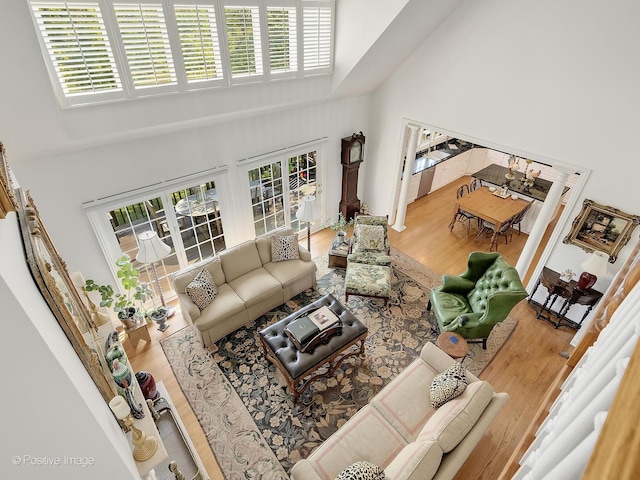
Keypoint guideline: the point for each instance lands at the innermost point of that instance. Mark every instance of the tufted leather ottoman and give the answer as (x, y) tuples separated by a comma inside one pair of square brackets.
[(297, 366)]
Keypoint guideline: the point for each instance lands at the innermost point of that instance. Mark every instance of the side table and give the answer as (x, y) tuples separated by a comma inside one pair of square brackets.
[(138, 332), (453, 345), (568, 291), (339, 251)]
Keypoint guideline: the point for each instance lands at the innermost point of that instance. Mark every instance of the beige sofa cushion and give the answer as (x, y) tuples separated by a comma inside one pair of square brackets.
[(212, 264), (239, 260), (257, 286), (416, 461), (453, 420), (404, 402), (366, 436), (226, 304)]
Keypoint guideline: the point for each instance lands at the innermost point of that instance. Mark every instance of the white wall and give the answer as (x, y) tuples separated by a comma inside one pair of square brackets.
[(552, 79), (51, 408), (61, 184)]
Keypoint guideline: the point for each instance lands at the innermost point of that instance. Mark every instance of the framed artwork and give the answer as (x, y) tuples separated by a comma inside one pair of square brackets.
[(601, 228)]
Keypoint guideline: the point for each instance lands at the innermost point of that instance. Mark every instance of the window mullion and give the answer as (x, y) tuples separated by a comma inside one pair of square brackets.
[(264, 40), (120, 56), (174, 42)]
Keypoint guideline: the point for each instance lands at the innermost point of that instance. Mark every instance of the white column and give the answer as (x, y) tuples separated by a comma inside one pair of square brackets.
[(544, 217), (412, 146)]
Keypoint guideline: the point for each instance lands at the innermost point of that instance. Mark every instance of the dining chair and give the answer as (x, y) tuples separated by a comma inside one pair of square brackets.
[(506, 231), (462, 216), (517, 220), (475, 184)]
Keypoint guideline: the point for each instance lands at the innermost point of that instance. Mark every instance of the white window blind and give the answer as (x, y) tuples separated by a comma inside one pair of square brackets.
[(144, 35), (317, 24), (199, 42), (243, 40), (281, 26), (75, 38)]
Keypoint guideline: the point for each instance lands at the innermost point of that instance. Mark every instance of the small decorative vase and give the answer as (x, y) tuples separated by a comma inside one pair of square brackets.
[(586, 281), (147, 385)]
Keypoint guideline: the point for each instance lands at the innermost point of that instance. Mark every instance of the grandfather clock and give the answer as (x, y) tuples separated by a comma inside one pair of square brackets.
[(352, 156)]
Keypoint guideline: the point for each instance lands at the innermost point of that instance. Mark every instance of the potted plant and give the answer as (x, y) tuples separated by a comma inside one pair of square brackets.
[(159, 315), (340, 226), (126, 305)]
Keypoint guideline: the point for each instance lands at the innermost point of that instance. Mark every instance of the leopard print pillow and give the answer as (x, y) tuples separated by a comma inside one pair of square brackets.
[(362, 471), (284, 248), (448, 385), (202, 290)]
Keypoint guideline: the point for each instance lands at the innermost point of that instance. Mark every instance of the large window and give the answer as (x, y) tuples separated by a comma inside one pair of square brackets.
[(187, 218), (104, 50)]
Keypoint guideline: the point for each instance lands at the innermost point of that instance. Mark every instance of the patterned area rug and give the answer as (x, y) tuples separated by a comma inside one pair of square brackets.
[(242, 402)]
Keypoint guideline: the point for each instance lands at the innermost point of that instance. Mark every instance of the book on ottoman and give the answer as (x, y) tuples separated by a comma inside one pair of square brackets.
[(301, 331), (323, 318)]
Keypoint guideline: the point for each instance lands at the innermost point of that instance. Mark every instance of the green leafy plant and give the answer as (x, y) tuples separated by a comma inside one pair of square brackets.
[(339, 225), (122, 303)]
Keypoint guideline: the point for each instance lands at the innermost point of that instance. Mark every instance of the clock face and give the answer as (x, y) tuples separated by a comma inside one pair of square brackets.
[(355, 155)]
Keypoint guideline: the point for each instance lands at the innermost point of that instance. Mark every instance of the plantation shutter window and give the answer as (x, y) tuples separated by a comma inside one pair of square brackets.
[(282, 30), (98, 51), (199, 42), (75, 38), (317, 25), (146, 42), (243, 40)]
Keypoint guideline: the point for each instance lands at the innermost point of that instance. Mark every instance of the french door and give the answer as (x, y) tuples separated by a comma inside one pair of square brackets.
[(276, 188)]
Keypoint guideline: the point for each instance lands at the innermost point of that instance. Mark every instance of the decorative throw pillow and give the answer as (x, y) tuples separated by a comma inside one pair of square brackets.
[(202, 290), (370, 237), (448, 385), (362, 471), (284, 248)]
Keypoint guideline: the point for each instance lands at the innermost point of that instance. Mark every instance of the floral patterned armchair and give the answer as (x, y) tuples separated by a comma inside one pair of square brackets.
[(368, 262)]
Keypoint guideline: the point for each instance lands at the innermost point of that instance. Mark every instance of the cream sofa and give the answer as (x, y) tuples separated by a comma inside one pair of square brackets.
[(249, 285), (400, 432)]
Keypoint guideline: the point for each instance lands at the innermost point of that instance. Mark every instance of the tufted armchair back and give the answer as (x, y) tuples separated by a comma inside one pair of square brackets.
[(470, 304)]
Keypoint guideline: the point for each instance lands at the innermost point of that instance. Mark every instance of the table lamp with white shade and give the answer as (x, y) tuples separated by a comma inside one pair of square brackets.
[(151, 250), (593, 266), (308, 212)]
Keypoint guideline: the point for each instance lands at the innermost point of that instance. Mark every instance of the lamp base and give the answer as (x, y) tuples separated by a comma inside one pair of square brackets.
[(586, 281)]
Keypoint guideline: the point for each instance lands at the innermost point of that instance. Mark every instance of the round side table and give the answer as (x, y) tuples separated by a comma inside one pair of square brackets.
[(453, 345)]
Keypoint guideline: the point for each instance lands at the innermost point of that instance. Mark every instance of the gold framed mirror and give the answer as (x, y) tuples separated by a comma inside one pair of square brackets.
[(50, 274), (8, 201)]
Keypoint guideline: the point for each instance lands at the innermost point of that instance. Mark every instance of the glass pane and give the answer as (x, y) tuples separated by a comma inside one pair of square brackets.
[(265, 186), (128, 222), (199, 222)]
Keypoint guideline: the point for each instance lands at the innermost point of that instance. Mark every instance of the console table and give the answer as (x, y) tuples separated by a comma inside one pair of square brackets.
[(569, 292)]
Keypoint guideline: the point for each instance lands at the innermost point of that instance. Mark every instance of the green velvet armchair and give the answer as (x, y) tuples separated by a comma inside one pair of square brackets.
[(472, 303)]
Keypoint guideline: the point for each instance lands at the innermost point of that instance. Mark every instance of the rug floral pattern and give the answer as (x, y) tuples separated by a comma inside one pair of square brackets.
[(242, 401)]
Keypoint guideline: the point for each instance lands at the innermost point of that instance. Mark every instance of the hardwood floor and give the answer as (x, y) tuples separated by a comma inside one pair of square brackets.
[(524, 367)]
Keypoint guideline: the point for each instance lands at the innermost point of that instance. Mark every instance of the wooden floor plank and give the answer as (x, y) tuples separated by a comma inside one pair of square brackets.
[(524, 367)]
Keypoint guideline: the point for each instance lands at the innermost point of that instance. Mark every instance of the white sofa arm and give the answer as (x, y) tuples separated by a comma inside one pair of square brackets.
[(304, 471), (440, 361), (188, 309), (304, 253)]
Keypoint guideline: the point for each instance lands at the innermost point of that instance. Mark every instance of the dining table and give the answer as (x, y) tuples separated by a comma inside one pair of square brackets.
[(489, 206)]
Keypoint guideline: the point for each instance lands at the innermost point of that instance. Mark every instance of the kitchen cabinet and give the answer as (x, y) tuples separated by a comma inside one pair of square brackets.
[(414, 185), (477, 160), (450, 170)]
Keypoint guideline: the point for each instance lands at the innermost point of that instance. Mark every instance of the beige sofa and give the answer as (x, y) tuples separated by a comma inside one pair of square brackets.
[(249, 285), (400, 431)]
